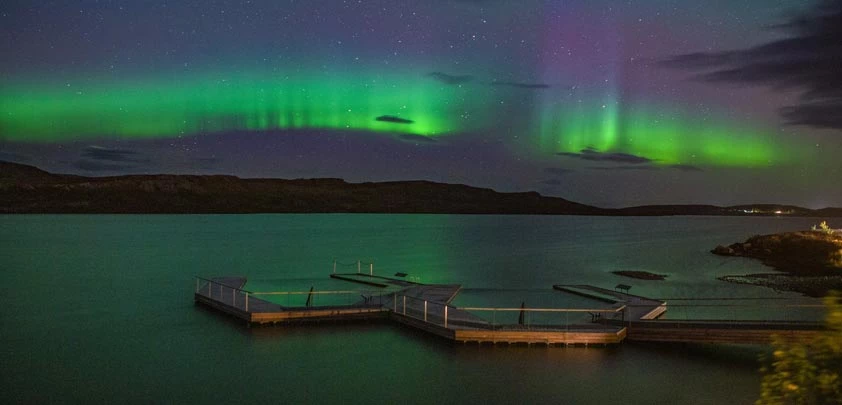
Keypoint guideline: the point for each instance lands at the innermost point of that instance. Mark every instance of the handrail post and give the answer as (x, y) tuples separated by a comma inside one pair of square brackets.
[(233, 298), (404, 305), (425, 310), (209, 288), (247, 301), (445, 316), (371, 269)]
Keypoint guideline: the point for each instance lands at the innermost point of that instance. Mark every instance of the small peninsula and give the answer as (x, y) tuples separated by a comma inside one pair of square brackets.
[(809, 262)]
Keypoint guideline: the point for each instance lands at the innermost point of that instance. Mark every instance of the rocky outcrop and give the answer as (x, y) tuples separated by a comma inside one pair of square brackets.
[(799, 253), (723, 251), (813, 286), (811, 261), (640, 275)]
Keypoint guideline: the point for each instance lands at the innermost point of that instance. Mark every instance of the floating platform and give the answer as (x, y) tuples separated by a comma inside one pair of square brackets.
[(425, 307), (733, 332), (642, 323), (428, 308), (226, 295)]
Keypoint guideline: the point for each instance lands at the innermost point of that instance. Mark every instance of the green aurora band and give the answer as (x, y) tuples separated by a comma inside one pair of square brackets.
[(216, 103), (212, 104), (667, 137)]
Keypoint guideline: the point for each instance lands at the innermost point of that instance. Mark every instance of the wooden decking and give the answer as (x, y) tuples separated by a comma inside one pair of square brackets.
[(225, 294), (427, 307), (735, 332), (642, 323), (637, 307), (552, 335)]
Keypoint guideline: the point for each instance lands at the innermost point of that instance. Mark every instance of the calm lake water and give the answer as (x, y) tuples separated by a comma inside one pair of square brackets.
[(100, 308)]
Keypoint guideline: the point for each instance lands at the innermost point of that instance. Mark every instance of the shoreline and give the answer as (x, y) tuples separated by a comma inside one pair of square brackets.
[(26, 189), (811, 286), (810, 262)]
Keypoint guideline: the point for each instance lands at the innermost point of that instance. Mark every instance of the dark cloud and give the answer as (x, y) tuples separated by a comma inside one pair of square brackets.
[(477, 2), (531, 86), (416, 138), (207, 163), (808, 60), (594, 155), (640, 167), (393, 119), (112, 155), (680, 167), (99, 166), (552, 182), (101, 159), (685, 168), (15, 157), (558, 170), (451, 79)]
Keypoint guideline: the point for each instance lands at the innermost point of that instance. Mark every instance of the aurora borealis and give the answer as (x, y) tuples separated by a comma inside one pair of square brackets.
[(569, 98), (222, 102)]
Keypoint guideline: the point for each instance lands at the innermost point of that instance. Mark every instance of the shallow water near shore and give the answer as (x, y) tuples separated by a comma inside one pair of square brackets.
[(99, 308)]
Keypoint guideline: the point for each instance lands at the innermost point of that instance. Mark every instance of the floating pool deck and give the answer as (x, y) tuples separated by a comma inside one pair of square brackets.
[(425, 307), (428, 308), (225, 294)]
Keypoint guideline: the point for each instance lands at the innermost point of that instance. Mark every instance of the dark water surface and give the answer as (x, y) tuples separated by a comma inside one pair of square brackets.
[(99, 309)]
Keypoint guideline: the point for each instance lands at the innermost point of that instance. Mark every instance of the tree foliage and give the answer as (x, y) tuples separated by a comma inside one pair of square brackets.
[(806, 372)]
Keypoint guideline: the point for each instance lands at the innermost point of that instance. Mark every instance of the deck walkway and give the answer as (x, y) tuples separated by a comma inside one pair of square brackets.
[(720, 331), (421, 306), (643, 324), (427, 307), (225, 294), (375, 281), (637, 307)]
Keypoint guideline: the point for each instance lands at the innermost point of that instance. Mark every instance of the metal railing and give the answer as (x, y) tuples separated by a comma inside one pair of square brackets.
[(737, 314), (516, 318), (247, 300), (500, 318)]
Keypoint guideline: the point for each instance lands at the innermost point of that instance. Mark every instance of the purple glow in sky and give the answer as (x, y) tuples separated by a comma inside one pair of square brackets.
[(610, 103)]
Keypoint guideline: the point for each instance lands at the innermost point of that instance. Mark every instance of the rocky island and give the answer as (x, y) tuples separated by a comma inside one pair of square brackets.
[(809, 262), (640, 275)]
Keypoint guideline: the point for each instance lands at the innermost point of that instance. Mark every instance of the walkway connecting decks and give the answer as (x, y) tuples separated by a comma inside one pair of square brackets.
[(421, 306), (427, 307), (642, 323)]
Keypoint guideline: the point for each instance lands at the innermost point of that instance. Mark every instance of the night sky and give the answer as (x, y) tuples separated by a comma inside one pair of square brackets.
[(611, 103)]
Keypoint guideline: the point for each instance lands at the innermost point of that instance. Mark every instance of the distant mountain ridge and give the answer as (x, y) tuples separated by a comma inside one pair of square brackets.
[(27, 189)]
